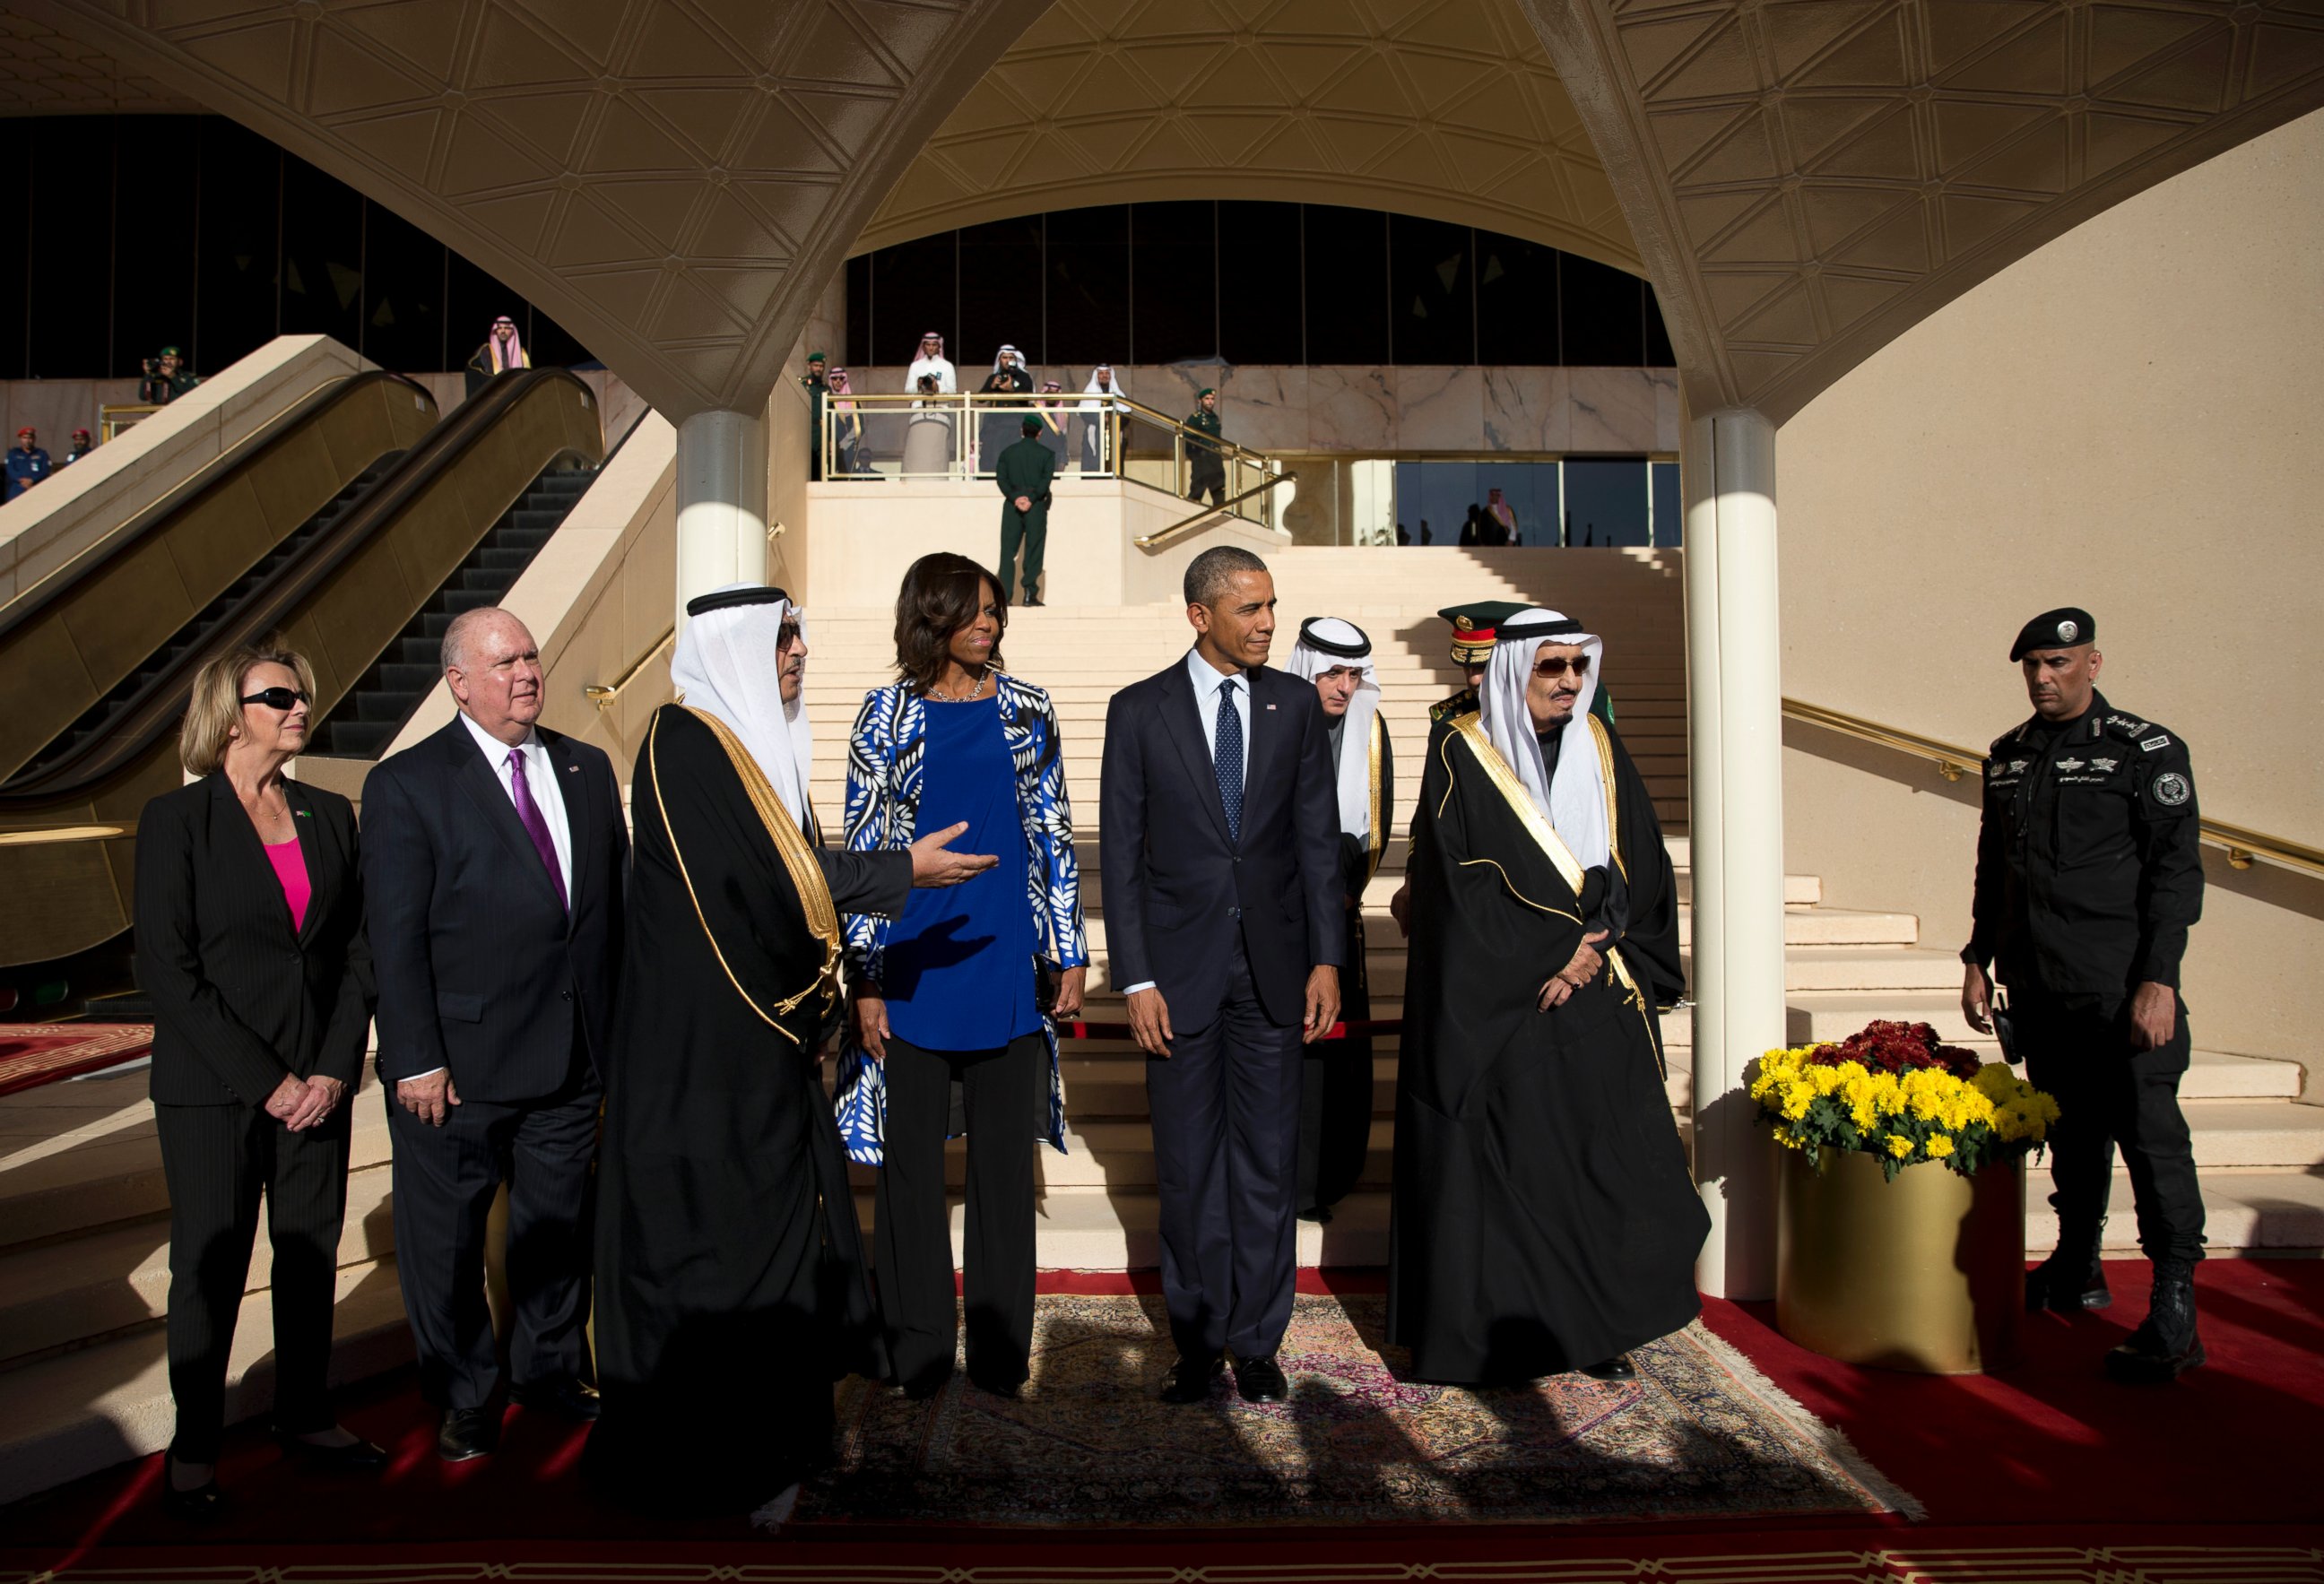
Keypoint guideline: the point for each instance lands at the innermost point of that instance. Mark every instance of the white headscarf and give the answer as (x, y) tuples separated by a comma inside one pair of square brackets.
[(1095, 396), (728, 664), (1574, 803), (1008, 357), (1308, 662), (947, 379)]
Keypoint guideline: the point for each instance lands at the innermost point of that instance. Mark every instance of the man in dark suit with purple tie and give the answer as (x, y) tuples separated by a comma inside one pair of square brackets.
[(494, 857), (1220, 845)]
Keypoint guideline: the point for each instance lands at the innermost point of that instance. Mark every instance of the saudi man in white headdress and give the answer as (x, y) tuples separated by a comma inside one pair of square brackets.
[(1335, 1076), (1545, 939), (730, 1289), (999, 423), (1101, 396), (930, 359)]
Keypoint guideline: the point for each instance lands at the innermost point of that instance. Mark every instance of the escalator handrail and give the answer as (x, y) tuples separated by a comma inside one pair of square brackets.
[(216, 471), (157, 707)]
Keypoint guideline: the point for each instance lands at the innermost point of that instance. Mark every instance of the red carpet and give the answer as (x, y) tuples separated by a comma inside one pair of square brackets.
[(2048, 1472), (33, 1054)]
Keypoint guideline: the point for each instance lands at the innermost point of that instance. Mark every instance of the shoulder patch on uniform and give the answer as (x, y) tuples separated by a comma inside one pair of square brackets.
[(2108, 765), (2159, 739), (2171, 789)]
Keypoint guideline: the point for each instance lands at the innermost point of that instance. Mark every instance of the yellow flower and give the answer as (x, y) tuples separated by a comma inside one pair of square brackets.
[(1899, 1146), (1939, 1146)]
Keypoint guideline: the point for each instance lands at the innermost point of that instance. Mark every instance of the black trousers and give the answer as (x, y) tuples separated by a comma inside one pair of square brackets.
[(2112, 1097), (218, 1161), (1002, 1092), (1225, 1106), (1335, 1093), (1030, 529), (1207, 474), (445, 1179)]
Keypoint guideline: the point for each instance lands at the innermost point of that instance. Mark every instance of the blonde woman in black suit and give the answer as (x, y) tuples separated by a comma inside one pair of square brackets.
[(250, 941)]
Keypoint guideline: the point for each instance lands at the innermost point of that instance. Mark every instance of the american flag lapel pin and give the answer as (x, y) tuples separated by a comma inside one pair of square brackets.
[(1270, 707)]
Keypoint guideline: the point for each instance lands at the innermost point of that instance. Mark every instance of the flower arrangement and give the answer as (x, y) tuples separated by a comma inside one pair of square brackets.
[(1893, 1091)]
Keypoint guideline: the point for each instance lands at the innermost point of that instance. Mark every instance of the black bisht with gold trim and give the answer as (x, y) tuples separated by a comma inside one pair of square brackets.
[(1546, 1218)]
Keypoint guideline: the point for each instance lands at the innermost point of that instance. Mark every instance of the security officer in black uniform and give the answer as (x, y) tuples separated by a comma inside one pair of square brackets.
[(2087, 877)]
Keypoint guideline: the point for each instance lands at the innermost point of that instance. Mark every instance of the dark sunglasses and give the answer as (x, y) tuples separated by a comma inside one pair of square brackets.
[(1555, 666), (276, 698)]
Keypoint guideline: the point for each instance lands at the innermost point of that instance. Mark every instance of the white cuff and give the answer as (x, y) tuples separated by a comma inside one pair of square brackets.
[(1134, 989)]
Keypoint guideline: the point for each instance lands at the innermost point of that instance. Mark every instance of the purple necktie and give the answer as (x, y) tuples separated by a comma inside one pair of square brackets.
[(535, 827)]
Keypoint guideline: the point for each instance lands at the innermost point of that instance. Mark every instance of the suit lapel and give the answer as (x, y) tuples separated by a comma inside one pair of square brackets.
[(480, 781), (1261, 743), (1182, 720), (232, 831), (322, 878), (580, 800)]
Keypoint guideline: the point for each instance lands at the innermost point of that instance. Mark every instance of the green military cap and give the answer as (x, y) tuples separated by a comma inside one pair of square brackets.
[(1206, 390), (816, 357), (173, 352), (1474, 625)]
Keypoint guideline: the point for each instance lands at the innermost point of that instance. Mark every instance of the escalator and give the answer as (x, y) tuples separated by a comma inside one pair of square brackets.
[(348, 590)]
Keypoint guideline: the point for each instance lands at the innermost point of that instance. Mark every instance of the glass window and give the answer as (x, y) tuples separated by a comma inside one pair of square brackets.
[(1670, 513), (155, 173), (858, 350), (1606, 500), (322, 254), (915, 288), (1173, 298), (1086, 268), (1346, 270), (551, 346), (1602, 315), (1432, 292), (236, 247), (1659, 354), (1517, 300), (1258, 277), (15, 251), (1438, 496), (71, 223), (403, 326), (1000, 295)]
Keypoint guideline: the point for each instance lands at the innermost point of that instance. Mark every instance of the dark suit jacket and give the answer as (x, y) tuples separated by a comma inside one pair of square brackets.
[(479, 969), (239, 998), (1176, 890)]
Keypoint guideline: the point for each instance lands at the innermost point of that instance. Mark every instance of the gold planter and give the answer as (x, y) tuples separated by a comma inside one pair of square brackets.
[(1925, 1273)]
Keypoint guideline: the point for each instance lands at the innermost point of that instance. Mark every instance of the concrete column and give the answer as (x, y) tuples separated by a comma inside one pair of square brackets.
[(1736, 788), (721, 501)]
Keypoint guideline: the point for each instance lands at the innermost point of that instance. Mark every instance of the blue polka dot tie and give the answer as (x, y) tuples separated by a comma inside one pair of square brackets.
[(1226, 760)]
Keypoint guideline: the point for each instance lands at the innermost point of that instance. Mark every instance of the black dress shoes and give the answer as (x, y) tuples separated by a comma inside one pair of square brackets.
[(468, 1432), (1618, 1367), (568, 1398), (1261, 1379), (200, 1504), (355, 1455), (1190, 1379), (1321, 1214)]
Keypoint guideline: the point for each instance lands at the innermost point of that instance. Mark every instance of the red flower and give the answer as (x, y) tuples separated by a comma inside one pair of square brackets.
[(1897, 1047)]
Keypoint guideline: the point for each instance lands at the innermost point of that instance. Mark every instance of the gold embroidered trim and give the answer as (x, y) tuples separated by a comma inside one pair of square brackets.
[(1376, 838), (790, 846)]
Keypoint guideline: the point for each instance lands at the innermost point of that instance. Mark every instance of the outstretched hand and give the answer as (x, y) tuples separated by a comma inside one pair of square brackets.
[(932, 868), (1587, 961)]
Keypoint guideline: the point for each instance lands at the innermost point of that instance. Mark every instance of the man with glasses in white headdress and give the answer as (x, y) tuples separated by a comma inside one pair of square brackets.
[(1335, 1087), (730, 1283), (1545, 938)]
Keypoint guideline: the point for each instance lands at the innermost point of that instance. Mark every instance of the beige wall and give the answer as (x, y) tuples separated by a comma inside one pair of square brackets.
[(2125, 421)]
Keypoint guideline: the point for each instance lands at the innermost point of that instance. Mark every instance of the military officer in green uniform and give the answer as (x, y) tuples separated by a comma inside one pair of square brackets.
[(1024, 472), (2088, 876), (818, 391), (1206, 466), (167, 378)]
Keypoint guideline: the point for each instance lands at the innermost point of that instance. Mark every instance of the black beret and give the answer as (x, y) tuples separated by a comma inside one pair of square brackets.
[(727, 598), (2060, 628)]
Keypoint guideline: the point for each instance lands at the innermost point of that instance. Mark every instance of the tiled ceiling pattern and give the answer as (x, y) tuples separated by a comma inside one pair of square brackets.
[(43, 72), (673, 179), (1834, 170), (1446, 109)]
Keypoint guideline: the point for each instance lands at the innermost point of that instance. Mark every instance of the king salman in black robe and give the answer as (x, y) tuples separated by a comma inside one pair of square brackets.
[(731, 1284), (1544, 1215)]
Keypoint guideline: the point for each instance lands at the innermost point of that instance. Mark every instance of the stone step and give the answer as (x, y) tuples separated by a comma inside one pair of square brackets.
[(2246, 1209), (1105, 1157), (1846, 942)]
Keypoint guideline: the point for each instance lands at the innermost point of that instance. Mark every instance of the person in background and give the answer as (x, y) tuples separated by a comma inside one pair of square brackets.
[(846, 427), (1503, 517), (818, 389), (28, 464), (1024, 472), (81, 446), (1101, 396), (502, 350), (1473, 531), (250, 941), (1055, 416), (1206, 466), (1427, 534), (931, 359), (1335, 1076), (166, 378), (997, 424), (1403, 535), (956, 1003)]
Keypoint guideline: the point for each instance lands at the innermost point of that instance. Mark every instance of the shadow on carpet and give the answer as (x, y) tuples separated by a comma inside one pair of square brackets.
[(1698, 1434)]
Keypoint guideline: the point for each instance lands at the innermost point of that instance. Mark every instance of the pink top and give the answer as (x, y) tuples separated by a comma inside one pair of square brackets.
[(291, 868)]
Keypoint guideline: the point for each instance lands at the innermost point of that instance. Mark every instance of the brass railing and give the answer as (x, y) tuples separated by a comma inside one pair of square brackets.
[(605, 694), (2242, 845), (1162, 536)]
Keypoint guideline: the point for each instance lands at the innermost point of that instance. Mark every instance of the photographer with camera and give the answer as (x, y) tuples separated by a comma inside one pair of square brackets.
[(165, 378)]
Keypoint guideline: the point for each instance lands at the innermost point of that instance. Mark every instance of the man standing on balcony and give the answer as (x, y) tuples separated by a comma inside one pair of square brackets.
[(1205, 463), (1024, 471), (818, 391), (1101, 396), (2088, 876)]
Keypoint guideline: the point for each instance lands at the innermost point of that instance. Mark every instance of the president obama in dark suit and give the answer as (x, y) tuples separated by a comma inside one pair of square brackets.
[(495, 858), (1220, 832)]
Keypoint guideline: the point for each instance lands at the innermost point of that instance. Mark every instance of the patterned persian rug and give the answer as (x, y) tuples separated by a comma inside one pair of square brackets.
[(1698, 1434), (33, 1054)]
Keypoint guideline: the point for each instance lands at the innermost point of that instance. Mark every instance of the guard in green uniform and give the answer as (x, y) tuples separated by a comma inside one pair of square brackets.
[(1205, 465), (167, 378), (818, 391), (1024, 472)]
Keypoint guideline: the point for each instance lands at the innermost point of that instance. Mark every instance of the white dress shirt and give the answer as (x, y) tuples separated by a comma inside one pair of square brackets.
[(540, 779), (1207, 678)]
